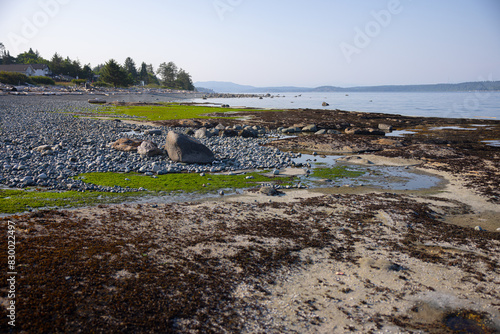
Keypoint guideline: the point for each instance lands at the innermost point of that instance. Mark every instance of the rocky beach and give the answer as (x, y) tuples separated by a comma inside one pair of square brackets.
[(280, 257)]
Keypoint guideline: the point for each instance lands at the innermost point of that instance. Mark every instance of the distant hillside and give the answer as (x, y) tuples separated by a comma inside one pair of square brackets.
[(460, 87), (224, 87), (229, 87)]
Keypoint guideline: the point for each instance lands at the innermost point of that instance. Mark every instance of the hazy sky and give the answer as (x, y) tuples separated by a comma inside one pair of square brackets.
[(273, 42)]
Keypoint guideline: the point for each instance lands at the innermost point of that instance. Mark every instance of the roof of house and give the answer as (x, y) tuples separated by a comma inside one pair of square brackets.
[(39, 66), (15, 67)]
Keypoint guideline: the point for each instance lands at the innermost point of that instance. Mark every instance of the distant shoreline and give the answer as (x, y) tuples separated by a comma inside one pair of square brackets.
[(229, 87)]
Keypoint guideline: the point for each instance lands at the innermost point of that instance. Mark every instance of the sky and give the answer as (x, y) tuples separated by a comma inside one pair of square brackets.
[(305, 43)]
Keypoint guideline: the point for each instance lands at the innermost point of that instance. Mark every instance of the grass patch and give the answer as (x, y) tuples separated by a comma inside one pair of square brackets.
[(336, 172), (172, 111), (14, 201), (182, 182)]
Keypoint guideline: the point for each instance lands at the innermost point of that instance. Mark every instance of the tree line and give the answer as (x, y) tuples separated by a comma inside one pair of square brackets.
[(167, 75)]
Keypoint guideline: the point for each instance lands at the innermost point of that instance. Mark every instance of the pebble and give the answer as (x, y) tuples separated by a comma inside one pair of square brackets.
[(80, 145)]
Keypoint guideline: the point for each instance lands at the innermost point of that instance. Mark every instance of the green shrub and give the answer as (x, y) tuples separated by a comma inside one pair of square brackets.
[(79, 81), (14, 78), (43, 80), (101, 84)]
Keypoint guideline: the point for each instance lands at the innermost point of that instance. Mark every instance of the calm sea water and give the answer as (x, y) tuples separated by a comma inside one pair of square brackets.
[(485, 105)]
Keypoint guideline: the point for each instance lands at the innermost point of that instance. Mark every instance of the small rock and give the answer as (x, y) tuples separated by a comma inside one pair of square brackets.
[(247, 133), (227, 133), (269, 191), (126, 144), (97, 101), (154, 132), (202, 133), (321, 132), (385, 127), (292, 129), (43, 148), (324, 104), (149, 149), (478, 228), (310, 128)]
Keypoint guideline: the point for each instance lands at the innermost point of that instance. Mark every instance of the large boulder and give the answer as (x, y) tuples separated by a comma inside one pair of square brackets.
[(149, 149), (186, 149), (126, 144)]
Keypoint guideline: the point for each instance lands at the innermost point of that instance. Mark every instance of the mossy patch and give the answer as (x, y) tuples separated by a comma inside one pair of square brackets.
[(185, 182), (13, 201), (336, 172), (172, 111)]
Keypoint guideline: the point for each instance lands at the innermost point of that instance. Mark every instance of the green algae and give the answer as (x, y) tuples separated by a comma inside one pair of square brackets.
[(180, 182), (173, 111), (336, 172), (14, 201)]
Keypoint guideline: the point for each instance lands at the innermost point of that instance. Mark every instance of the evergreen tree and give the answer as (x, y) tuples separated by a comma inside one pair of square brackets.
[(30, 57), (5, 57), (143, 74), (114, 74), (8, 59), (55, 64), (131, 69), (87, 73), (168, 74), (184, 81)]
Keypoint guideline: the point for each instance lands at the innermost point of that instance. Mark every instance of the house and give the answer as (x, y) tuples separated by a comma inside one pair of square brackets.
[(41, 70), (27, 69)]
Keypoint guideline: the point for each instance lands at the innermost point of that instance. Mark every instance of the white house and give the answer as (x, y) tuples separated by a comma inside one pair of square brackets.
[(27, 69), (41, 70)]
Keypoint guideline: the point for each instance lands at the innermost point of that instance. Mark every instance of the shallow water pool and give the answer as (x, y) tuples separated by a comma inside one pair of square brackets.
[(377, 176)]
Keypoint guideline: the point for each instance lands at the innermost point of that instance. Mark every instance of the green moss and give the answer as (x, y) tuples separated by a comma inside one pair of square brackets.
[(186, 182), (172, 111), (335, 172), (12, 201)]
